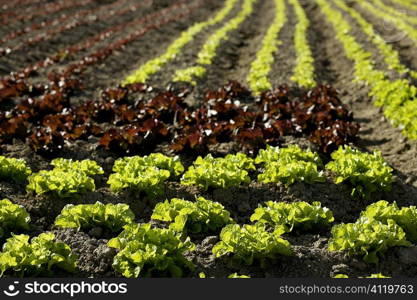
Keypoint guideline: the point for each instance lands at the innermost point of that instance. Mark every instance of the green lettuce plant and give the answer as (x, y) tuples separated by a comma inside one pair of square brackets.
[(367, 173), (226, 172), (367, 237), (67, 179), (13, 169), (189, 74), (262, 65), (300, 215), (13, 217), (148, 252), (193, 217), (288, 154), (380, 211), (86, 216), (237, 276), (405, 217), (251, 243), (38, 257), (304, 69), (233, 276), (289, 165), (340, 276), (379, 275), (146, 174), (398, 99), (86, 166), (297, 171)]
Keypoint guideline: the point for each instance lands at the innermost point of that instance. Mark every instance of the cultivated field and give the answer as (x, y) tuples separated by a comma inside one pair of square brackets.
[(237, 137)]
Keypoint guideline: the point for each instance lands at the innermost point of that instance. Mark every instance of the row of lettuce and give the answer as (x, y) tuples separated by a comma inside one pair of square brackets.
[(208, 52), (365, 173), (147, 251), (259, 73), (397, 97), (144, 250), (155, 65)]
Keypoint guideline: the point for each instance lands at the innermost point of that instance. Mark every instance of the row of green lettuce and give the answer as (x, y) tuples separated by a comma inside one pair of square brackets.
[(398, 19), (208, 52), (397, 98), (366, 173), (258, 77), (390, 55), (153, 66), (303, 73), (304, 70), (259, 73), (149, 251)]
